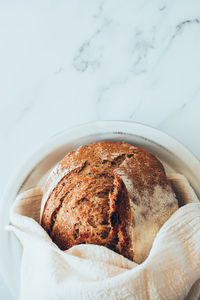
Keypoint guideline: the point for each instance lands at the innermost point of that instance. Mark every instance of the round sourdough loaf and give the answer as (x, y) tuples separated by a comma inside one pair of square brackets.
[(108, 193)]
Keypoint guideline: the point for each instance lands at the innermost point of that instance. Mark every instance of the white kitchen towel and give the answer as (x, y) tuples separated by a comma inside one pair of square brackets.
[(171, 270)]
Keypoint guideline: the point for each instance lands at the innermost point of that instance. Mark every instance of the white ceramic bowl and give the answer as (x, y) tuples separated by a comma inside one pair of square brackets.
[(172, 153)]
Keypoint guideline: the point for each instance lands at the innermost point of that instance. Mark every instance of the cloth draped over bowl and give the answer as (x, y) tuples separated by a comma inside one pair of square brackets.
[(171, 271)]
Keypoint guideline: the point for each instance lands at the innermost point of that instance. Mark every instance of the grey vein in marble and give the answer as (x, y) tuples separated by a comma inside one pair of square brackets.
[(181, 108), (84, 58), (181, 25)]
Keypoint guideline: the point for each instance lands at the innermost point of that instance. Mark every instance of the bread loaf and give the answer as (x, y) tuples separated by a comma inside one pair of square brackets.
[(108, 193)]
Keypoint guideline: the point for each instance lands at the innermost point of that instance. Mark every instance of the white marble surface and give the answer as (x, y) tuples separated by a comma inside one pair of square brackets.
[(63, 63)]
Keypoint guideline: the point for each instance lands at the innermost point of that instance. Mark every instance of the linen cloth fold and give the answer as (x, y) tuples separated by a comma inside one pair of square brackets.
[(171, 271)]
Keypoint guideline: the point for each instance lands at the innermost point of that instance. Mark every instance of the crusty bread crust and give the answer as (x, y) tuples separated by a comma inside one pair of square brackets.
[(108, 193)]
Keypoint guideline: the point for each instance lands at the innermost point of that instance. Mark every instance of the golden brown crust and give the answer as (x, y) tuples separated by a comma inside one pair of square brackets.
[(93, 200)]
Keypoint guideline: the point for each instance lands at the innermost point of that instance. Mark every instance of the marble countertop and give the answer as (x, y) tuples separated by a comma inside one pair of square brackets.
[(63, 63)]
